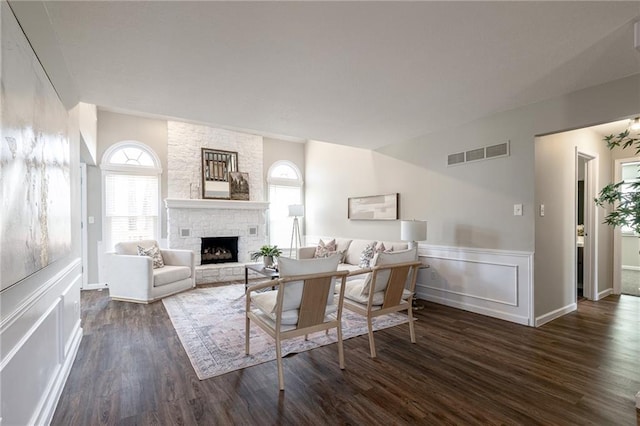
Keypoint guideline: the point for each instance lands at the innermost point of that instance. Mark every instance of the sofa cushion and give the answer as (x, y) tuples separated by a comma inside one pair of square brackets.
[(355, 250), (291, 267), (154, 253), (131, 247), (342, 245), (266, 303), (394, 245), (170, 274), (354, 288), (385, 259)]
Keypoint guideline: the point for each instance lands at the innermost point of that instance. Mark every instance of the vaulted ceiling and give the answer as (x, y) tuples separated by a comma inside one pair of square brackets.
[(359, 73)]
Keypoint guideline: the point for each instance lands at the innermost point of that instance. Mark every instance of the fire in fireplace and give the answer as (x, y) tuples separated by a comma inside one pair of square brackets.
[(219, 250)]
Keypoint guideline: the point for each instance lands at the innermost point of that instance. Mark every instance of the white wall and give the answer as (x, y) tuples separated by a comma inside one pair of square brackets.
[(469, 205), (555, 258), (40, 324)]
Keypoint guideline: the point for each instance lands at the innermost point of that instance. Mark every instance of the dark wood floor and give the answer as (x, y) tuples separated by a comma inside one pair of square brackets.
[(583, 368)]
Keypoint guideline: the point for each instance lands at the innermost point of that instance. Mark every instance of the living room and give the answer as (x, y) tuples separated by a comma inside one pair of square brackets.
[(469, 208)]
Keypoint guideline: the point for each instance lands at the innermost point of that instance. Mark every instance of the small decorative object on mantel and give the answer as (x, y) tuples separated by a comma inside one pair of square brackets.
[(376, 207), (239, 185), (268, 254), (216, 166)]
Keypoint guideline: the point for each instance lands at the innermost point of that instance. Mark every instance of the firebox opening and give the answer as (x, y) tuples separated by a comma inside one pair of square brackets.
[(219, 250)]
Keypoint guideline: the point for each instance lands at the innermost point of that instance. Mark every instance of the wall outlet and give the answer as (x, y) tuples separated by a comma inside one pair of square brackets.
[(541, 209)]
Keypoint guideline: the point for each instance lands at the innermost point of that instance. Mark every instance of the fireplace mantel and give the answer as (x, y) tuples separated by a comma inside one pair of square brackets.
[(180, 203)]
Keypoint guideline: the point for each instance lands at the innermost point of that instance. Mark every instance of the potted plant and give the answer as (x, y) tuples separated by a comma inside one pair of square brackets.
[(625, 204), (268, 253)]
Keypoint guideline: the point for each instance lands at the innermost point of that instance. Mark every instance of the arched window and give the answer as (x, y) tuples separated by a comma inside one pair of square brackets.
[(131, 193), (285, 188)]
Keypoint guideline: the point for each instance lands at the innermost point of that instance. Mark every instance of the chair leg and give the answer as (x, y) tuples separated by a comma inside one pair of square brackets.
[(279, 359), (340, 347), (246, 336), (372, 344), (412, 331)]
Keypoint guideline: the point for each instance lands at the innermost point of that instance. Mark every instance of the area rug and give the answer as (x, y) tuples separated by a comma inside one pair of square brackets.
[(210, 323)]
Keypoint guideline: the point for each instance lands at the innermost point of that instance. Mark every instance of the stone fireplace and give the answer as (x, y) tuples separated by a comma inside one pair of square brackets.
[(218, 250), (189, 221), (190, 218)]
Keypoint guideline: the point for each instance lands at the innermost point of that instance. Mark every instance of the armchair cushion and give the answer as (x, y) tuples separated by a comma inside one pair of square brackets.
[(131, 247), (385, 259), (170, 274), (266, 302), (290, 267), (354, 289)]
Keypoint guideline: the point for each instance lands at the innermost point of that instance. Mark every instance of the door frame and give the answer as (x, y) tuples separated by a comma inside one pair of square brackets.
[(590, 255), (83, 226)]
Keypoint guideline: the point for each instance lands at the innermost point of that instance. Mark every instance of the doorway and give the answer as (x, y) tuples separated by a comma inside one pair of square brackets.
[(626, 257), (585, 226)]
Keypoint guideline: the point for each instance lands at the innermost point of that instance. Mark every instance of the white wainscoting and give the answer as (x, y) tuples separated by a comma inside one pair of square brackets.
[(496, 283), (40, 334)]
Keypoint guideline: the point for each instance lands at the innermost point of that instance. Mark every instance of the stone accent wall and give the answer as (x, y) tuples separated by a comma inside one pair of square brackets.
[(184, 159)]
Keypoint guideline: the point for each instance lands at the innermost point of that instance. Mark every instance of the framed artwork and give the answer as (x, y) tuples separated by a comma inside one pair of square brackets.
[(239, 185), (216, 166), (375, 207), (35, 163)]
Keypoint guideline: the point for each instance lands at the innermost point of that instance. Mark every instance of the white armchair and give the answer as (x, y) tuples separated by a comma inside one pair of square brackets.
[(131, 277)]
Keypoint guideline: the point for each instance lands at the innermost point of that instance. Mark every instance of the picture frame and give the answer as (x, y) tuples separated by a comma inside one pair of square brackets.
[(216, 166), (374, 207), (239, 186)]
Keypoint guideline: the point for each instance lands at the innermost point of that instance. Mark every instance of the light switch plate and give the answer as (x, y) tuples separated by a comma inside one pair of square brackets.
[(517, 209), (541, 209)]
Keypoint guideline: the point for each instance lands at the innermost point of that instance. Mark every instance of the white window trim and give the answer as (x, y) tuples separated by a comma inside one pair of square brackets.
[(284, 182), (106, 168)]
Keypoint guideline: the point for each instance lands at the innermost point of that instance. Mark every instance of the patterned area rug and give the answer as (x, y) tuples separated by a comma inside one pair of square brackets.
[(210, 323)]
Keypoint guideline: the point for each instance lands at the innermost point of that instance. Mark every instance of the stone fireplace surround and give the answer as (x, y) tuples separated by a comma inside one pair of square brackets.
[(190, 220)]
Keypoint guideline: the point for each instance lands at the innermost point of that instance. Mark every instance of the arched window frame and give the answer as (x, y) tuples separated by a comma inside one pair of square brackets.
[(273, 181), (107, 167)]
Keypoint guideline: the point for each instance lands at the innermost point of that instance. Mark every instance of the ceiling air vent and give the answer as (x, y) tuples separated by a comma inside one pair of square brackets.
[(477, 154), (455, 158), (474, 155)]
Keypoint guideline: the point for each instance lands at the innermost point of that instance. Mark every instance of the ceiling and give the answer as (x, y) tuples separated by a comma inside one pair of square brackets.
[(365, 74)]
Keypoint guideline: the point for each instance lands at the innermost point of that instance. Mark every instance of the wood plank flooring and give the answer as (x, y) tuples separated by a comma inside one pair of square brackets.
[(465, 369)]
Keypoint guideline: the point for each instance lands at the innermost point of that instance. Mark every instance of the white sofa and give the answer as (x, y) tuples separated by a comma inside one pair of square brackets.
[(131, 277), (351, 249)]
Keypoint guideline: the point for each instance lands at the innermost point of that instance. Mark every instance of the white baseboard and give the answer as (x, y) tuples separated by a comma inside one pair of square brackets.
[(543, 319), (475, 309), (605, 293), (95, 286)]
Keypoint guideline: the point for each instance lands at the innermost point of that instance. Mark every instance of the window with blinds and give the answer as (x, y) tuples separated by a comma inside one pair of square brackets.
[(285, 189), (131, 194)]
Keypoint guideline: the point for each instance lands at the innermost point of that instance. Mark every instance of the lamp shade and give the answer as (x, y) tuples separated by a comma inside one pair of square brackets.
[(413, 230), (296, 210)]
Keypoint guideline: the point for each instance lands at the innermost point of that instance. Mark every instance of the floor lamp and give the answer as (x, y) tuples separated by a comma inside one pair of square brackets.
[(295, 211), (413, 231)]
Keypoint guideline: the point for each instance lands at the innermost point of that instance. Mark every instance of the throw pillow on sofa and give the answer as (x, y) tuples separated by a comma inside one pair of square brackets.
[(325, 249), (367, 255)]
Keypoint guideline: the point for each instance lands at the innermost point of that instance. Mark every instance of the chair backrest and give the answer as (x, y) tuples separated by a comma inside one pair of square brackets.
[(294, 289), (131, 247), (380, 280), (317, 295)]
